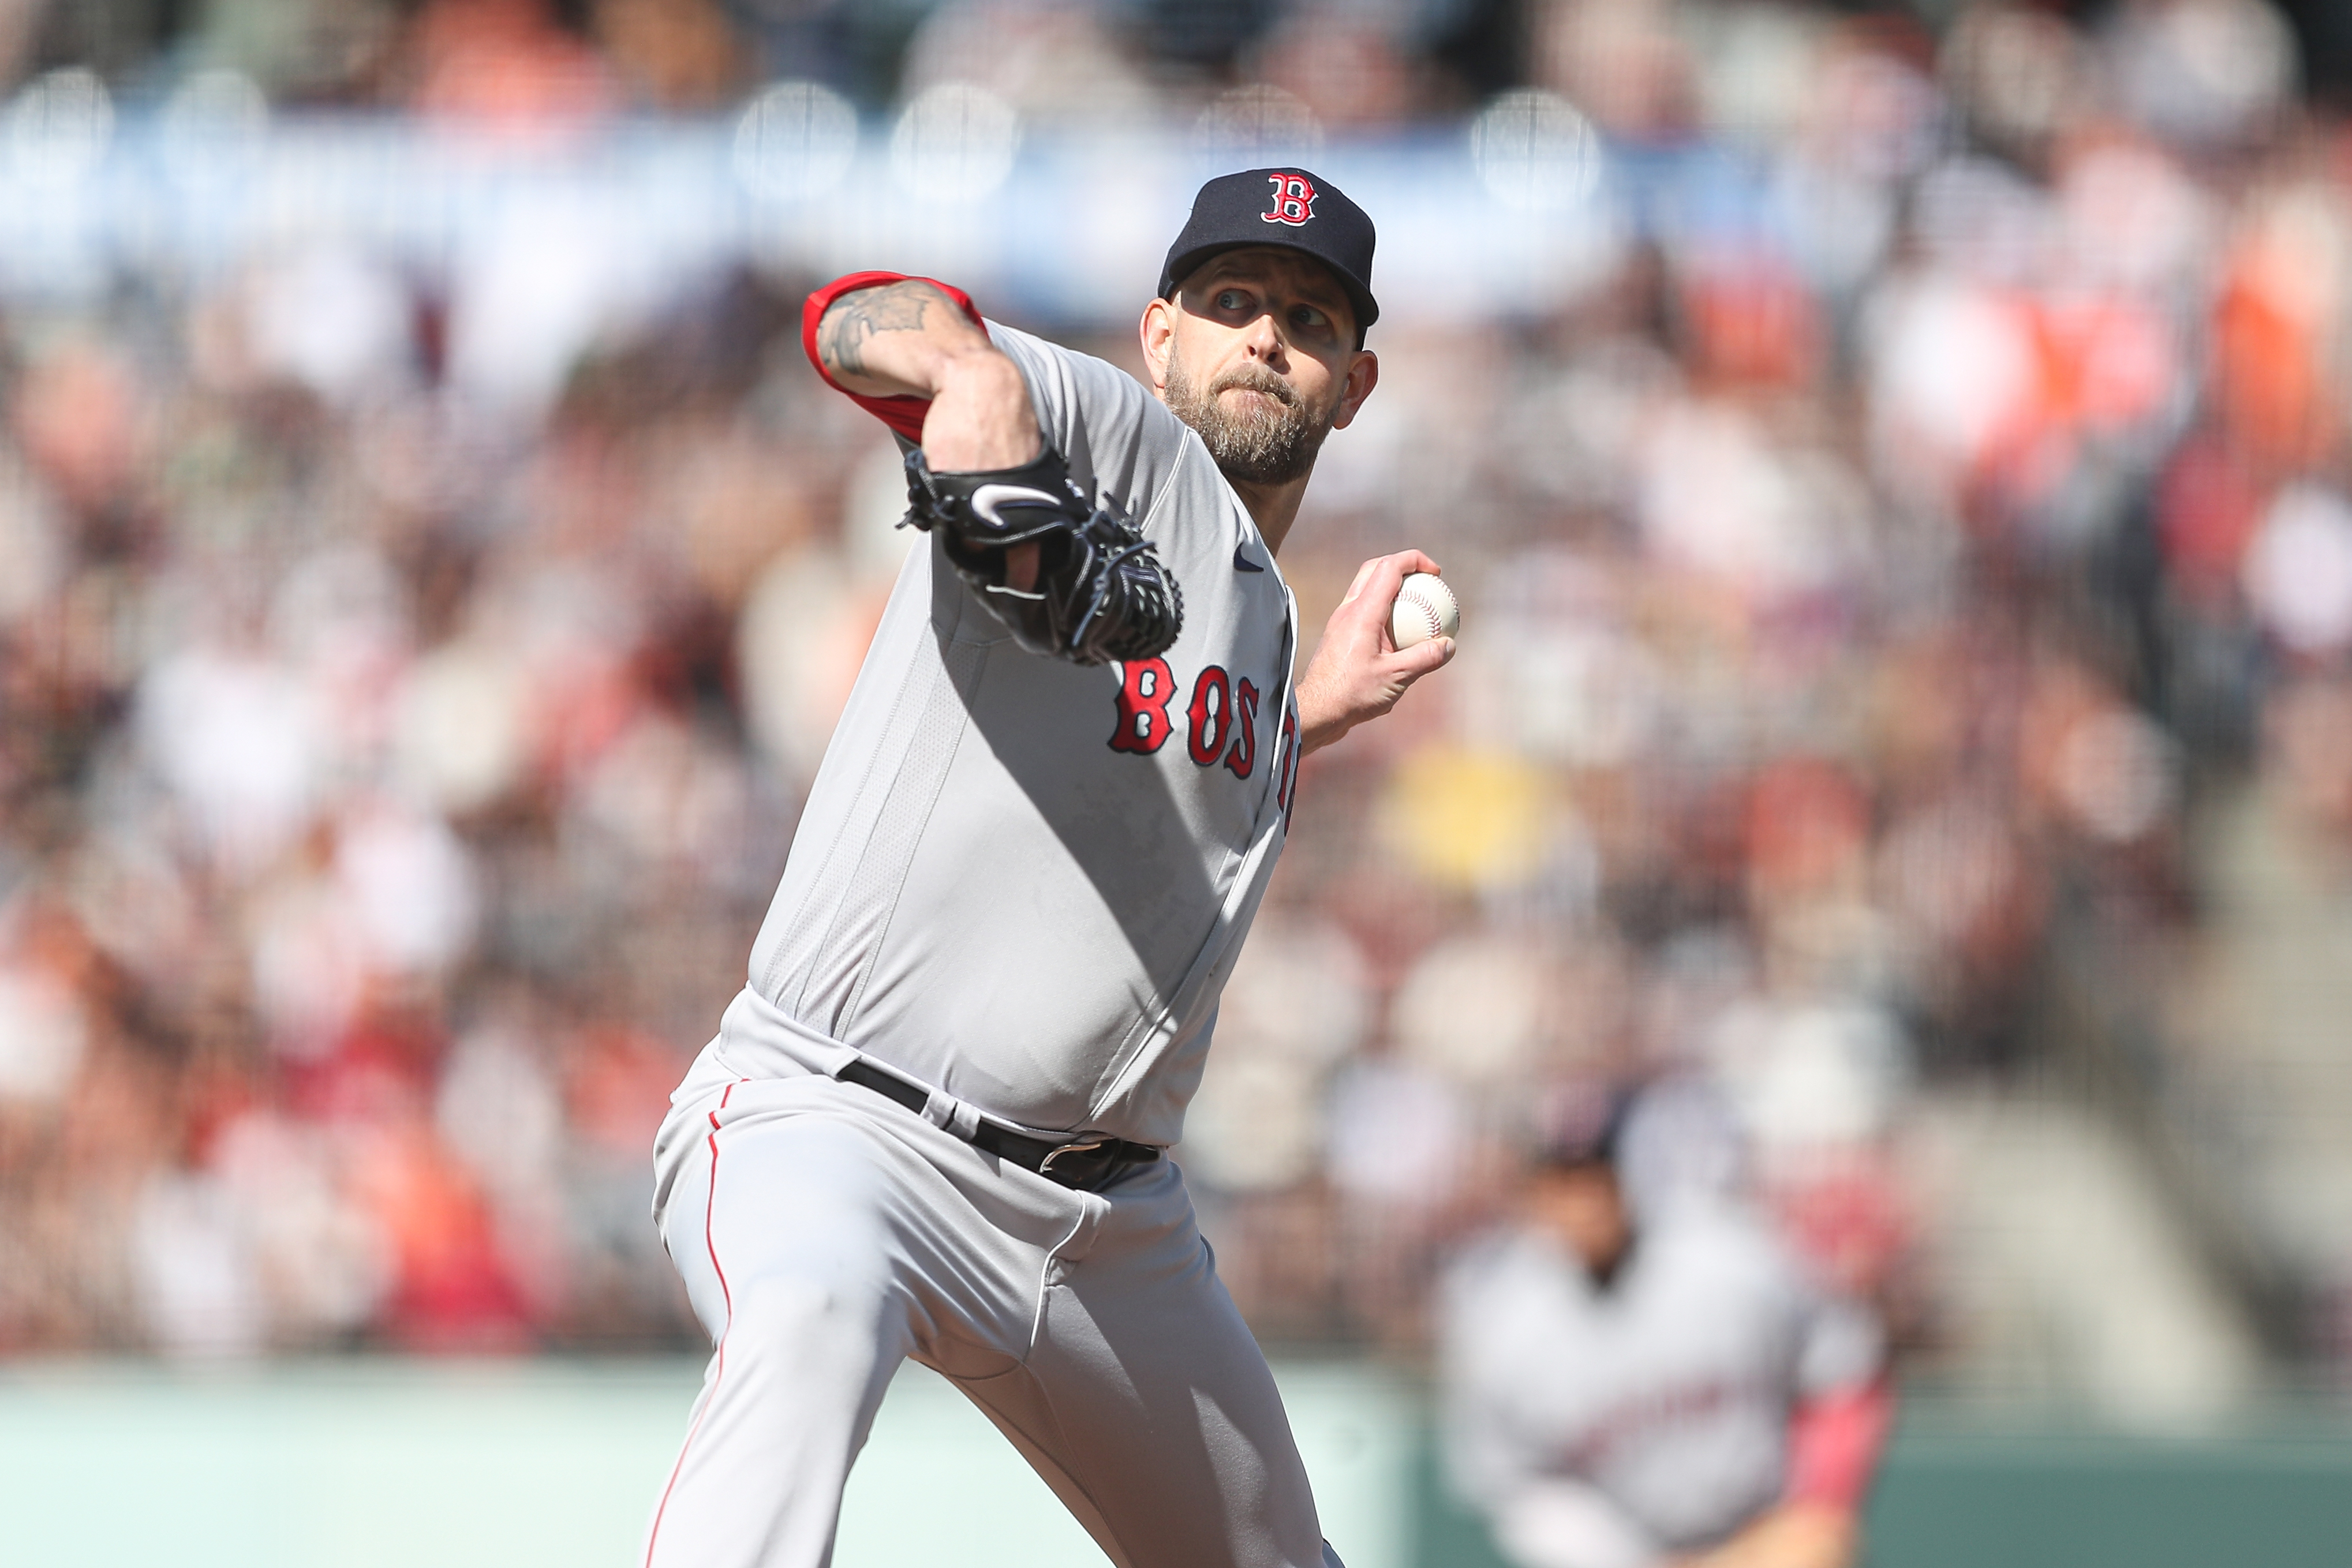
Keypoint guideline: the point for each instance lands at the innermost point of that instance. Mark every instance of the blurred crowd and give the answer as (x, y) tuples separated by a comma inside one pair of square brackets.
[(1907, 666)]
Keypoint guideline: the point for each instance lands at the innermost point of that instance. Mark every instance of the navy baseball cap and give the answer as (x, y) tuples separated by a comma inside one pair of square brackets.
[(1286, 207), (1581, 1124)]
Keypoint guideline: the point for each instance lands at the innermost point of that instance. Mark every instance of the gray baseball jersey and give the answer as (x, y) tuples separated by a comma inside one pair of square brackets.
[(1669, 1393), (1021, 881)]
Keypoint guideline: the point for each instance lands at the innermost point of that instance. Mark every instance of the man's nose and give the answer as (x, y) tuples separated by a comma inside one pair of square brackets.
[(1264, 341)]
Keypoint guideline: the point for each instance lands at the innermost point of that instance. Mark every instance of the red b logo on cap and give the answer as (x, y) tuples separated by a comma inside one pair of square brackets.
[(1294, 200)]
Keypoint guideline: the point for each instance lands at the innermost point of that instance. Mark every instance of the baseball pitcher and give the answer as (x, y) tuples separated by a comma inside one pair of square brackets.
[(933, 1123)]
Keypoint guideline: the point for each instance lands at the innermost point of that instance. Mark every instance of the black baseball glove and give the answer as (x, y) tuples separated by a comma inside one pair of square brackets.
[(1102, 591)]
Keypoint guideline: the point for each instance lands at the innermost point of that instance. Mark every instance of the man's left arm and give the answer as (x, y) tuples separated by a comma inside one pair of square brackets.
[(1358, 672), (1834, 1441), (1792, 1535), (1838, 1425)]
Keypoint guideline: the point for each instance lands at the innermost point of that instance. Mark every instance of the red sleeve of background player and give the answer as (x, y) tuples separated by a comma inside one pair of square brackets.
[(902, 413), (1834, 1443)]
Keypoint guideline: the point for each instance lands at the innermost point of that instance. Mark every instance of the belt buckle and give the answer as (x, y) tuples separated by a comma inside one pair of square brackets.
[(1078, 1146)]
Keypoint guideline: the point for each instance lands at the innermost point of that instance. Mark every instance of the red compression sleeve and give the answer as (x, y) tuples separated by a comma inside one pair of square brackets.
[(902, 413), (1834, 1443)]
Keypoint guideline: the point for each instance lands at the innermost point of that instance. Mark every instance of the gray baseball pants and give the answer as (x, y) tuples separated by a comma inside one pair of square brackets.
[(824, 1233)]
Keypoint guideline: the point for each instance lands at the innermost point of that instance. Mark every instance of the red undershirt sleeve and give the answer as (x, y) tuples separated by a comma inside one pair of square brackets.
[(1834, 1442), (903, 413)]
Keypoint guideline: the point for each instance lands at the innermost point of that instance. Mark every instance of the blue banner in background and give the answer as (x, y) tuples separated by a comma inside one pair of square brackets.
[(1064, 228)]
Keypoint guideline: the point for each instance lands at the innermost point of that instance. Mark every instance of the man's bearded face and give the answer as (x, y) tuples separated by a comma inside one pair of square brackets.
[(1268, 440)]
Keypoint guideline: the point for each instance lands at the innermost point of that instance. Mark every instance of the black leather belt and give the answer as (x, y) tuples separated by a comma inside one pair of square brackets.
[(1085, 1163)]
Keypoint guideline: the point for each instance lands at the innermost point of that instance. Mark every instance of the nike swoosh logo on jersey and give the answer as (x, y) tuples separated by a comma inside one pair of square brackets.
[(1242, 561), (987, 498)]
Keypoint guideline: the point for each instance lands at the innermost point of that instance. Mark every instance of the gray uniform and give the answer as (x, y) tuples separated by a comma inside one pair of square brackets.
[(1019, 883), (1602, 1429)]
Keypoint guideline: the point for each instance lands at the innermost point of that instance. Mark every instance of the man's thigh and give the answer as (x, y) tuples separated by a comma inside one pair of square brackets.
[(811, 1188), (821, 1242), (1146, 1405)]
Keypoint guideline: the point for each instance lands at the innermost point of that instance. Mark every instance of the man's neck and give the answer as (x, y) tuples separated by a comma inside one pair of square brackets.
[(1274, 507)]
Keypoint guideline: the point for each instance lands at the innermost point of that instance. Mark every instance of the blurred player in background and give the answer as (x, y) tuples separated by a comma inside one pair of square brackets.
[(1638, 1373)]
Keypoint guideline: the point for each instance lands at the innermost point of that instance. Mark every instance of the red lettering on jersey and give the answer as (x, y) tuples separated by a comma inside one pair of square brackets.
[(1285, 792), (1244, 754), (1212, 716), (1294, 200), (1143, 695)]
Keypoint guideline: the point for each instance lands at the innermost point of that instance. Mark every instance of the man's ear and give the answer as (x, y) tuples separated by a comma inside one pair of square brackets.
[(1363, 375), (1158, 332)]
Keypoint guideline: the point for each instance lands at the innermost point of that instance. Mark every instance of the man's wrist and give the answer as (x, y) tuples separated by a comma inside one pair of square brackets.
[(981, 415), (1314, 737), (982, 373), (1319, 723)]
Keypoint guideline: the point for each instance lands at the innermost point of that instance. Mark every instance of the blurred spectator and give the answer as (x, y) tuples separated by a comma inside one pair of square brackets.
[(507, 64), (1350, 65), (674, 54), (1054, 62)]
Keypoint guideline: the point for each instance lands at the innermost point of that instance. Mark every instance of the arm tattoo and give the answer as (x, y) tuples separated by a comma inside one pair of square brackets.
[(854, 317)]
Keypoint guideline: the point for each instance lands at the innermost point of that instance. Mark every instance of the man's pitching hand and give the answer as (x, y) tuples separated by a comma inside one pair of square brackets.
[(1358, 672)]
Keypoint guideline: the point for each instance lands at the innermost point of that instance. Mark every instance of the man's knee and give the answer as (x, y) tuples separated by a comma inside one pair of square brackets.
[(1332, 1557)]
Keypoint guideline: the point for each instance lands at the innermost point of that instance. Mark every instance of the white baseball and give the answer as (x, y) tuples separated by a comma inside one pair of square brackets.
[(1425, 608)]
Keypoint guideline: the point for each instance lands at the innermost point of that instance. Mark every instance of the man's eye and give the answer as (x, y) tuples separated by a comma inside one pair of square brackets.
[(1308, 315), (1231, 299)]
